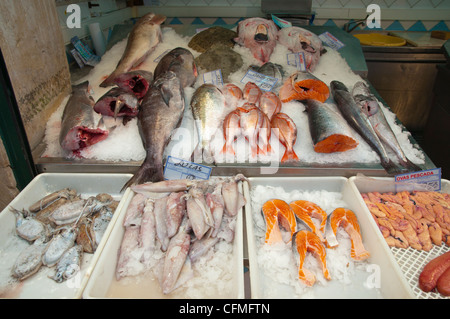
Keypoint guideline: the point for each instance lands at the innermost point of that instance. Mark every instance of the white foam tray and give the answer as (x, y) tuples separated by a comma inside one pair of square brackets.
[(39, 285), (103, 275), (411, 261), (392, 282)]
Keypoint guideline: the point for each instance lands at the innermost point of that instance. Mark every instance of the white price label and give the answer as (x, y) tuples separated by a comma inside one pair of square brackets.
[(176, 168), (264, 82)]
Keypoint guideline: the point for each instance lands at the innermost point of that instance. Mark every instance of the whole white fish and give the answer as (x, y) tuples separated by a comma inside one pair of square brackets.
[(208, 110), (370, 106), (144, 37)]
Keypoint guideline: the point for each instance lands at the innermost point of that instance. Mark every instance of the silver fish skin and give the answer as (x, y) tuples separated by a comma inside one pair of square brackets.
[(29, 260), (78, 129), (161, 113), (29, 228), (69, 264), (136, 82), (58, 245), (181, 62), (370, 106), (360, 123), (147, 234), (175, 259), (117, 102), (271, 69), (144, 37), (208, 110)]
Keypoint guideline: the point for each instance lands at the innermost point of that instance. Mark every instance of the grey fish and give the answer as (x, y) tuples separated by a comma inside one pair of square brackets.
[(208, 109), (221, 57), (329, 131), (160, 114), (203, 40), (135, 82), (69, 264), (271, 69), (181, 62), (360, 123), (117, 102), (144, 37), (78, 129), (369, 105)]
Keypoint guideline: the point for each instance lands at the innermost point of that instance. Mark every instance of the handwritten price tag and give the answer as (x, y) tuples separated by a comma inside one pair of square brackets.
[(181, 169)]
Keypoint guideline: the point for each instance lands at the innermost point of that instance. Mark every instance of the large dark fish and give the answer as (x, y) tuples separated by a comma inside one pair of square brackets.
[(136, 82), (360, 123), (78, 129), (144, 37), (329, 131), (181, 62), (117, 102), (160, 114), (369, 105)]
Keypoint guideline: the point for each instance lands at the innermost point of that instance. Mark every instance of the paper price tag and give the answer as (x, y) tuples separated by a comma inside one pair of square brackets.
[(430, 178), (331, 40), (176, 168), (213, 77), (264, 82), (297, 60)]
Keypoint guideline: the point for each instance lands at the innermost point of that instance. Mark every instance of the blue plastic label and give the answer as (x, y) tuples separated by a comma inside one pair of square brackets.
[(176, 168)]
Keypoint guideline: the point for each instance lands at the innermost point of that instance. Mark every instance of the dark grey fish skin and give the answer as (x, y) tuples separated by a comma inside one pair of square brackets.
[(271, 69), (78, 129), (161, 113), (369, 105), (360, 123), (117, 102), (181, 62)]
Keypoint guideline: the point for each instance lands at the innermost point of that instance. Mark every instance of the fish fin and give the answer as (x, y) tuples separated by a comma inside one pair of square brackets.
[(146, 173), (158, 19), (289, 155), (227, 149)]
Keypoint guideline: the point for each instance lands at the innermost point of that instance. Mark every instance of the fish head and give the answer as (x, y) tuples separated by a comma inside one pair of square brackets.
[(261, 34)]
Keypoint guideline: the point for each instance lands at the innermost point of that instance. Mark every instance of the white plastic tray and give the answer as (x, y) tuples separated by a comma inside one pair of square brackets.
[(103, 283), (391, 282), (39, 285), (411, 261)]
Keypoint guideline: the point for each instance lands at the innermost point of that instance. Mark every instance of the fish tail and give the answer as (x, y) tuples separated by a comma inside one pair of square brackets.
[(227, 149), (289, 155), (146, 173), (411, 167), (109, 81), (390, 167)]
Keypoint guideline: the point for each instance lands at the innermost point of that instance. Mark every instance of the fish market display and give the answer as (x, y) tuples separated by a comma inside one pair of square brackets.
[(435, 275), (205, 39), (161, 113), (303, 86), (259, 35), (54, 241), (233, 95), (273, 70), (135, 82), (78, 129), (369, 104), (329, 131), (252, 93), (305, 241), (270, 104), (252, 121), (143, 39), (220, 56), (297, 39), (117, 102), (360, 123), (416, 219), (174, 224), (295, 251), (286, 131), (208, 109)]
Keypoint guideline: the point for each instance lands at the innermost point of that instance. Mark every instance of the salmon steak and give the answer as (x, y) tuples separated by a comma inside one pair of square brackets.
[(302, 86), (277, 212), (345, 218), (305, 241), (305, 211)]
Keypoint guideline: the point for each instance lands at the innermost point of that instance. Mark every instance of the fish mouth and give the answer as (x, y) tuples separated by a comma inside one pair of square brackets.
[(261, 34), (138, 85), (306, 44)]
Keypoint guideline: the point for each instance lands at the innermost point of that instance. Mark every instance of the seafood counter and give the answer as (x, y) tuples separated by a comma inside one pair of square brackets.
[(233, 99)]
